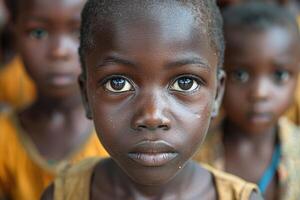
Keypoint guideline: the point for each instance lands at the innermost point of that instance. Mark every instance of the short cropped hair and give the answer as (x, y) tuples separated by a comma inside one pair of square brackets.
[(206, 10), (256, 16)]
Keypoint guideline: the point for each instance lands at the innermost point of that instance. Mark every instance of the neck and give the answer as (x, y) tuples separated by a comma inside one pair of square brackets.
[(235, 134), (52, 106), (179, 183), (66, 111)]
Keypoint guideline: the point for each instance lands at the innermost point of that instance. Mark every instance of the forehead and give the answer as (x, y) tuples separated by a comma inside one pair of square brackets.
[(160, 27), (63, 9), (271, 43)]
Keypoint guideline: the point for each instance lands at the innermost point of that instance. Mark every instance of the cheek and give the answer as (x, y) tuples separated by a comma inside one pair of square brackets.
[(233, 94), (33, 53), (112, 123), (192, 123), (31, 48), (283, 98)]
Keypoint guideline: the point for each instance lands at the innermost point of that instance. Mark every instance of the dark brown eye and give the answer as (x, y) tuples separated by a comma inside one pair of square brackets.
[(118, 85), (281, 76), (185, 84), (38, 33), (240, 75)]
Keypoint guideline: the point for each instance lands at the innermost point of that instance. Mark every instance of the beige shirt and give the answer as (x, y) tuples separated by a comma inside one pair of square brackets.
[(74, 183)]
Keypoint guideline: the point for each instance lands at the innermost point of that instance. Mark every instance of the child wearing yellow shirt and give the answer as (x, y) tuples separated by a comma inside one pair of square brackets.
[(152, 78), (36, 142)]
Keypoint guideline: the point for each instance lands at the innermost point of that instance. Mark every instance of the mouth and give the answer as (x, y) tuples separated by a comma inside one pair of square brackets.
[(260, 117), (152, 153), (61, 80)]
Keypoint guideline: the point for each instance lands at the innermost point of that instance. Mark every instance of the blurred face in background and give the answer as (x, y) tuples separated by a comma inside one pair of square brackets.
[(262, 75), (47, 35)]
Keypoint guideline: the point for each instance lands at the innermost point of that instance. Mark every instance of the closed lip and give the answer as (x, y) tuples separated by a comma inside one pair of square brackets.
[(152, 153), (260, 117), (61, 79)]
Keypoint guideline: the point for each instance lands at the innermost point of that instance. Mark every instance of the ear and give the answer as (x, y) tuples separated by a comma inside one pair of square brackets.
[(84, 96), (221, 77)]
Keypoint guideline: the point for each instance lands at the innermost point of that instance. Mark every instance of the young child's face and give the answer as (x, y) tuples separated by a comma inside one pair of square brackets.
[(48, 40), (262, 70), (151, 84)]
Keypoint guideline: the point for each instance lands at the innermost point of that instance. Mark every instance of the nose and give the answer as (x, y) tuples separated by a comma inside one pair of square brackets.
[(151, 115), (259, 90), (62, 47)]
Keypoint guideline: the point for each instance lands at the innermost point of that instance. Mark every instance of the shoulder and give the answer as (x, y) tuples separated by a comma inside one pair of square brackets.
[(289, 168), (7, 128), (92, 147), (12, 68), (231, 186), (74, 181), (83, 166), (289, 136)]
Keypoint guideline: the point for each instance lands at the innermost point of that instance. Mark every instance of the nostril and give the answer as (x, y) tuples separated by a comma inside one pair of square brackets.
[(164, 127), (142, 127)]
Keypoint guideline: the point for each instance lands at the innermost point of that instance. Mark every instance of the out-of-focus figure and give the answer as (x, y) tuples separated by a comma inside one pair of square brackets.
[(16, 88), (255, 141)]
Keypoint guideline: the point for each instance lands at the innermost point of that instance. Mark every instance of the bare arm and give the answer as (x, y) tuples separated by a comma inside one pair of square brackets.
[(48, 193)]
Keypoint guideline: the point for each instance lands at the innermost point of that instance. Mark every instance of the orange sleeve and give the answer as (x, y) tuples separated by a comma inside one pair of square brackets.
[(6, 146), (16, 87)]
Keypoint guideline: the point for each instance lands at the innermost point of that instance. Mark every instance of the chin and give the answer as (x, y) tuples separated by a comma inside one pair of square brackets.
[(62, 93), (152, 179), (154, 176), (258, 129)]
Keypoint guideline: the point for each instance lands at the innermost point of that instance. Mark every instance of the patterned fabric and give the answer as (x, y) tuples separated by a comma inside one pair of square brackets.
[(16, 88), (74, 183), (212, 153), (24, 173), (294, 112)]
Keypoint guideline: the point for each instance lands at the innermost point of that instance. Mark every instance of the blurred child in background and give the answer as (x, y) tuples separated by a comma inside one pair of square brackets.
[(262, 63), (293, 113), (53, 131), (16, 87)]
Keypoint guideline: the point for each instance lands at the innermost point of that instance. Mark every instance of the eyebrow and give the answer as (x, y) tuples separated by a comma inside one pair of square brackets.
[(178, 63), (189, 61), (42, 19), (117, 59), (35, 18)]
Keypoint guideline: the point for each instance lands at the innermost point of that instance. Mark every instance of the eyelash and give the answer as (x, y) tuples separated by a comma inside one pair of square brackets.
[(197, 79), (106, 84), (234, 74), (106, 80), (32, 33)]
